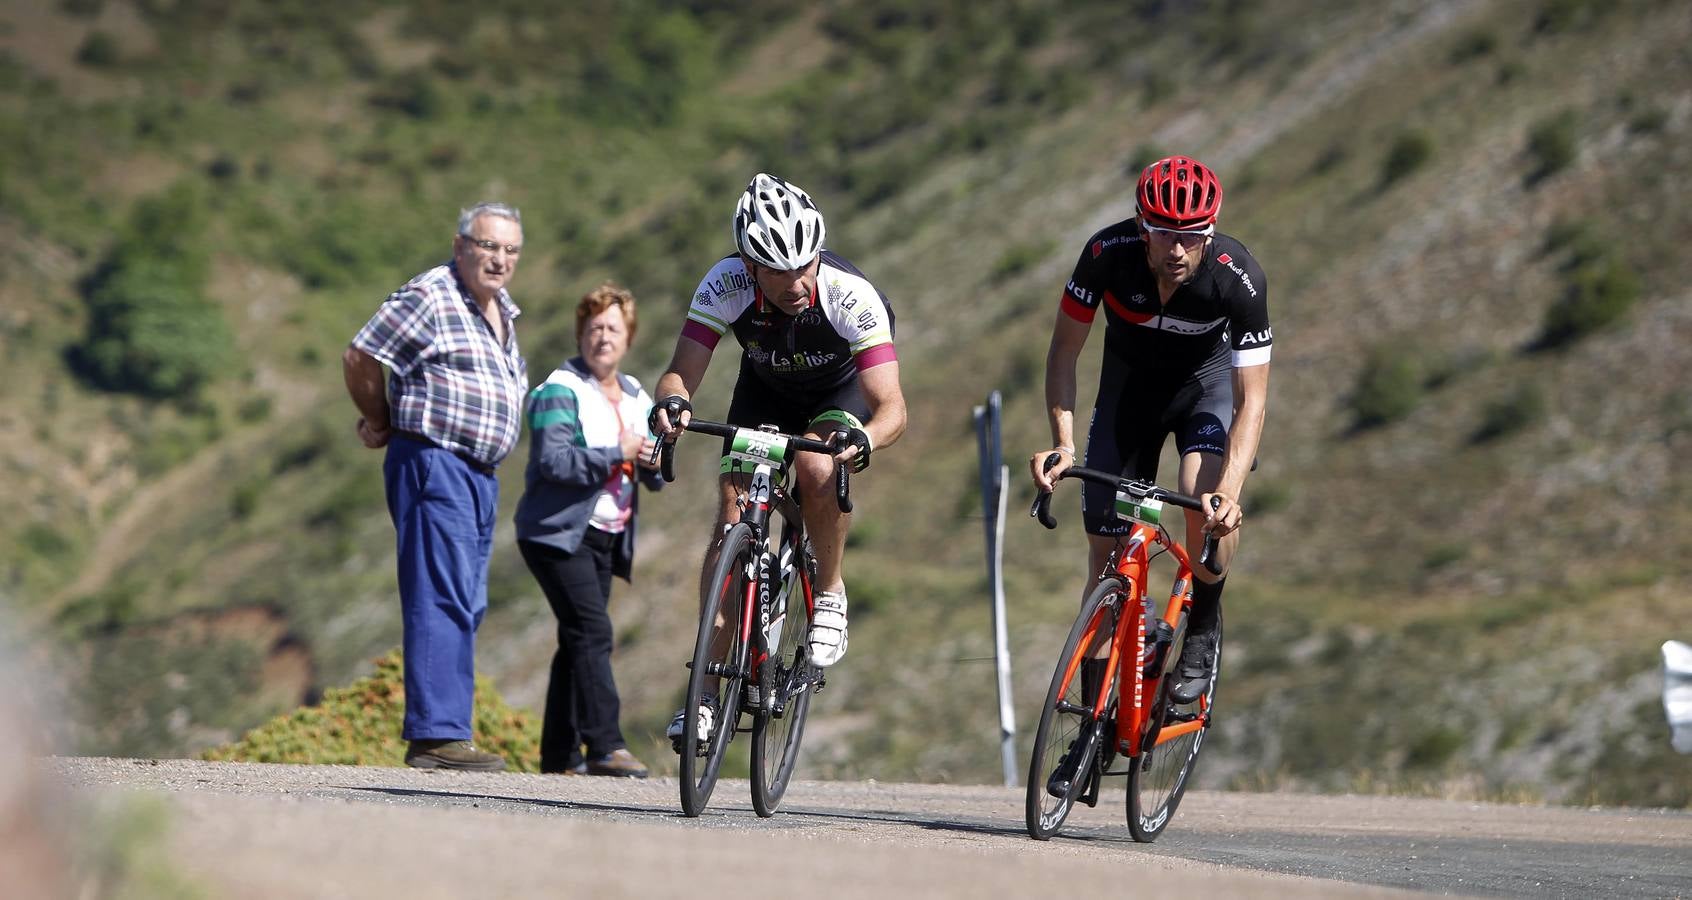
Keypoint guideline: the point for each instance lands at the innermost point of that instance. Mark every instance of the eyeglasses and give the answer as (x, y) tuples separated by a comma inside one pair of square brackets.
[(492, 246), (1186, 238)]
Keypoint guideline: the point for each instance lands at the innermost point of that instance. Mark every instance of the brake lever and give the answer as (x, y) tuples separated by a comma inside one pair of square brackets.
[(1207, 556), (1042, 508)]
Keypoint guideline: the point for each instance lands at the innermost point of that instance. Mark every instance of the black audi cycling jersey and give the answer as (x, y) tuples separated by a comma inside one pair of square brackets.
[(848, 326), (1223, 308)]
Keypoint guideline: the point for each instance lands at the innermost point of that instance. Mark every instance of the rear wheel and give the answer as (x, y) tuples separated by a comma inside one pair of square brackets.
[(1159, 775), (779, 724), (702, 755), (1067, 742)]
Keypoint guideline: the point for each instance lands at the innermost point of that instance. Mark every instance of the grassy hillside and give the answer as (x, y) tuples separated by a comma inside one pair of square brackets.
[(1467, 535)]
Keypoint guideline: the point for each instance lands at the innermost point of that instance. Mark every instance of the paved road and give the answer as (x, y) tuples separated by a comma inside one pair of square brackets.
[(285, 831)]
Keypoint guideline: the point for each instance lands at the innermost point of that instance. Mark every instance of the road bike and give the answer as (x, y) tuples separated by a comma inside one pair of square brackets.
[(1108, 711), (762, 672)]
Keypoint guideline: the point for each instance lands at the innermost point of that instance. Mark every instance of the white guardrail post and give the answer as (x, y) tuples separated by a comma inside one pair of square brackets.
[(1677, 692), (995, 488)]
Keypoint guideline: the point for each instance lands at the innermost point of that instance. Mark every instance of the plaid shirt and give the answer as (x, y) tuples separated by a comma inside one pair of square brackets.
[(451, 382)]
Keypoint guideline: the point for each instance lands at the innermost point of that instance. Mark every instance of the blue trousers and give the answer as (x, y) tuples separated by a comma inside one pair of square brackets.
[(443, 512)]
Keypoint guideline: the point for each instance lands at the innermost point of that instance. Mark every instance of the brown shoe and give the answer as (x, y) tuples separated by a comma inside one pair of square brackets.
[(619, 763), (451, 755)]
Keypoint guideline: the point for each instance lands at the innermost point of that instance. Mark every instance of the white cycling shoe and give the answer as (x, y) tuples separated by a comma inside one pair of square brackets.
[(678, 725), (827, 637)]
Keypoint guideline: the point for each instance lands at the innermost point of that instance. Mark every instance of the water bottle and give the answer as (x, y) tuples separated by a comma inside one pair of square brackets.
[(1158, 638)]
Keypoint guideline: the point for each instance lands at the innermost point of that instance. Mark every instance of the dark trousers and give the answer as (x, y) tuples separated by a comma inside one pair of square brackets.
[(581, 699), (443, 512)]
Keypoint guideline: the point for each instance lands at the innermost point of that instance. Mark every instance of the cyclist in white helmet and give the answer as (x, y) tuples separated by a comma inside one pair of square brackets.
[(817, 354)]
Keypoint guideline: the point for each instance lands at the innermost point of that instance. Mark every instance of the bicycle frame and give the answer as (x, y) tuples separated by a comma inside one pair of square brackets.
[(766, 451), (762, 494), (1129, 649)]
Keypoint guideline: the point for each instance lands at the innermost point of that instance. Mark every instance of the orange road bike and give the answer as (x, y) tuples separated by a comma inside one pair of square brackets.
[(753, 621), (1108, 711)]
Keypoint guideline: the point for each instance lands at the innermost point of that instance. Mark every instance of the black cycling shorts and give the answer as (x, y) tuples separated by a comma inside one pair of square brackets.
[(1136, 411), (757, 403)]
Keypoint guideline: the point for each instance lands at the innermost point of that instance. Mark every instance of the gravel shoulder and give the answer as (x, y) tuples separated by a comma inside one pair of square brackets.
[(255, 830)]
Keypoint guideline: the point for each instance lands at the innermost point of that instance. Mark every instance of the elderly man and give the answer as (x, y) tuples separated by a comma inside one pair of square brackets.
[(451, 410)]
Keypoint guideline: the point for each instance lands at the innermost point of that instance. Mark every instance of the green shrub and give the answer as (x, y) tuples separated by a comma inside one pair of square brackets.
[(1144, 155), (1330, 158), (45, 541), (1266, 498), (1411, 149), (151, 332), (414, 94), (1388, 387), (1018, 259), (1552, 144), (1650, 120), (1434, 748), (1473, 45), (1599, 293), (1507, 415), (360, 725), (1557, 16), (99, 50), (1578, 238), (1441, 555)]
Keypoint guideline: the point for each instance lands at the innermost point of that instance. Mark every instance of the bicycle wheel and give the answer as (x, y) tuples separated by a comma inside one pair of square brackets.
[(1159, 775), (1068, 736), (779, 724), (701, 760)]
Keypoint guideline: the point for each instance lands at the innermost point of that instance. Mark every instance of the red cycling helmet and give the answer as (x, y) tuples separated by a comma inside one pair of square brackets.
[(1178, 192)]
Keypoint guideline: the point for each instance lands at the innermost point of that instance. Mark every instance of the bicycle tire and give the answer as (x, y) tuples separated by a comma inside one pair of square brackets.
[(1158, 776), (699, 771), (1060, 729), (778, 730)]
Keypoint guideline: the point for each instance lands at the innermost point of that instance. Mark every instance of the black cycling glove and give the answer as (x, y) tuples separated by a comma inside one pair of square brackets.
[(674, 405), (855, 437)]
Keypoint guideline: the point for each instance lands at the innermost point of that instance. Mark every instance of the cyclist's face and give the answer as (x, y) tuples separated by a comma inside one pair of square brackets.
[(789, 290), (1174, 256)]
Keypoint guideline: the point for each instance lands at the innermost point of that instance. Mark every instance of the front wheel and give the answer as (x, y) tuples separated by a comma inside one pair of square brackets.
[(1071, 728), (721, 662), (1159, 775), (779, 725)]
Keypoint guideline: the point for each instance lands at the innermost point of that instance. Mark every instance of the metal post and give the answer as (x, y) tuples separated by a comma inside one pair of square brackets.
[(995, 488)]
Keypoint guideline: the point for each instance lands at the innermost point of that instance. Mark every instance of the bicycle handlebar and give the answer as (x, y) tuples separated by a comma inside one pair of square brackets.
[(666, 452), (1042, 508)]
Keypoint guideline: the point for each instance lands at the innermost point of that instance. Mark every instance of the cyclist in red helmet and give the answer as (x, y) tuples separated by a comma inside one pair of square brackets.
[(1187, 343)]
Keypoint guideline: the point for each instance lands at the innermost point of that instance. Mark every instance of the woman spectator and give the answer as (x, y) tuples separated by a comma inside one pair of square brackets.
[(576, 527)]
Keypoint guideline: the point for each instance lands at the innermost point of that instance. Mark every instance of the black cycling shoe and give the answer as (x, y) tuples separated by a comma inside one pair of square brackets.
[(1063, 777), (1194, 671)]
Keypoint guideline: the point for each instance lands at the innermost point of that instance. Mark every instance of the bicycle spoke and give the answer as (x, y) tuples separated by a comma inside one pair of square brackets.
[(778, 729), (702, 755), (1160, 775), (1069, 739)]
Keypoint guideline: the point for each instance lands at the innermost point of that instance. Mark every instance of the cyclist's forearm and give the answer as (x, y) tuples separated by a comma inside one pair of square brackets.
[(886, 404), (671, 385), (1068, 337), (1243, 440), (687, 368), (1060, 400), (886, 425)]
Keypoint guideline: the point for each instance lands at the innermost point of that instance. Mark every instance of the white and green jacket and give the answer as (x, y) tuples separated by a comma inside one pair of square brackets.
[(573, 447)]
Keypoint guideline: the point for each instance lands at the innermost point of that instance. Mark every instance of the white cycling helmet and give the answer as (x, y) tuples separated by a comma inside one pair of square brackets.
[(777, 224)]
